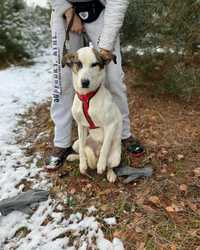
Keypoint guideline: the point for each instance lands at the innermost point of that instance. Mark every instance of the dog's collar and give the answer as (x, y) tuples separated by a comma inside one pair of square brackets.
[(86, 103)]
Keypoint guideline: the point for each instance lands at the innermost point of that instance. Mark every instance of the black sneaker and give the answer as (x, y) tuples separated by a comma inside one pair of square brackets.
[(57, 158), (133, 147)]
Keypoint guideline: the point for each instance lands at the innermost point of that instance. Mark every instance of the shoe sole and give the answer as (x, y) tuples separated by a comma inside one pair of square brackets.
[(52, 169), (136, 155)]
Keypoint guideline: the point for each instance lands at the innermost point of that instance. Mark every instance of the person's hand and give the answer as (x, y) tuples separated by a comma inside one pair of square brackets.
[(77, 25), (107, 56)]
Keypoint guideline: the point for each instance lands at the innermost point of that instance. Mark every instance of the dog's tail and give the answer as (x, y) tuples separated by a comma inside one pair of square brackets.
[(91, 157)]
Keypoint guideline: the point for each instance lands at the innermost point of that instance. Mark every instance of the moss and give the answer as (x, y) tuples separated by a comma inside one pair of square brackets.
[(150, 244), (180, 169)]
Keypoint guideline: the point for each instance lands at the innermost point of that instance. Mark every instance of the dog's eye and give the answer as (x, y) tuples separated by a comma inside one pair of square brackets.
[(78, 64), (95, 64)]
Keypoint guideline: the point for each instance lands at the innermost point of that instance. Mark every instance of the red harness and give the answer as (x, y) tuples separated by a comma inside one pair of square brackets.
[(86, 103)]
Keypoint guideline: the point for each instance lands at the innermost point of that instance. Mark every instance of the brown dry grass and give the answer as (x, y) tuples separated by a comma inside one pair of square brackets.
[(160, 213)]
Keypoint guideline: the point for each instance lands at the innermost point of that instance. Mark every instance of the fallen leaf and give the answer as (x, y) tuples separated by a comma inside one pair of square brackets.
[(164, 151), (148, 209), (163, 170), (154, 199), (192, 206), (153, 118), (104, 207), (197, 172), (117, 234), (193, 233), (180, 157), (138, 229), (122, 234), (183, 188), (173, 208), (140, 246), (89, 186), (152, 143), (72, 191), (170, 209), (173, 247)]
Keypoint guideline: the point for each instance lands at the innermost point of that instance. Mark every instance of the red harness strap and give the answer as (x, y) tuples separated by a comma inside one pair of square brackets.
[(86, 103)]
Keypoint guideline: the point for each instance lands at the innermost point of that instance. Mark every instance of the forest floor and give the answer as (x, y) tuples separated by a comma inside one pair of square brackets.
[(162, 212)]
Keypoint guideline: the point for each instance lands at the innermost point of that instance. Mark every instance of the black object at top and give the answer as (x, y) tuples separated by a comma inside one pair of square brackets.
[(80, 1), (88, 10)]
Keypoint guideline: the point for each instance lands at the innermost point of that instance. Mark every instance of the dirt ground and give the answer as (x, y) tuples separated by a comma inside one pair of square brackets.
[(162, 212)]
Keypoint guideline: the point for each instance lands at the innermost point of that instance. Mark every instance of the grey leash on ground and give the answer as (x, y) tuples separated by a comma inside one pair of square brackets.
[(24, 202), (133, 174)]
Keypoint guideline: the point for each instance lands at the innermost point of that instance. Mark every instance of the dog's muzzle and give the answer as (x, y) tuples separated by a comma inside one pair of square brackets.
[(85, 83)]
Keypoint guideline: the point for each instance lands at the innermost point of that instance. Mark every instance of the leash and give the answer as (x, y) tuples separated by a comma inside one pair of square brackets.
[(86, 38), (66, 45)]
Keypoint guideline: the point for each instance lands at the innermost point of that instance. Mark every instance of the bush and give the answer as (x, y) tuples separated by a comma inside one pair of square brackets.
[(163, 23), (162, 39), (22, 30), (182, 80)]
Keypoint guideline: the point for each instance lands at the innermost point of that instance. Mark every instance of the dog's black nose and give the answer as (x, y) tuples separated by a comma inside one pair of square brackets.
[(85, 83)]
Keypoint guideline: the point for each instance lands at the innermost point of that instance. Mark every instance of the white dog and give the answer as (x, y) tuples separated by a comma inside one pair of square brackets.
[(98, 117)]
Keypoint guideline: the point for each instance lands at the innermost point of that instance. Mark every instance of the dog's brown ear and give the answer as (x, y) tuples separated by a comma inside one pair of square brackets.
[(99, 58), (104, 61), (108, 60), (68, 59)]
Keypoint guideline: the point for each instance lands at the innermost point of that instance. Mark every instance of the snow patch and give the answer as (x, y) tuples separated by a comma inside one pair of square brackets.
[(20, 88), (110, 221)]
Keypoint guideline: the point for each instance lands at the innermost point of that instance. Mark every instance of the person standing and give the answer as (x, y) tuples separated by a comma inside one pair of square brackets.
[(101, 20)]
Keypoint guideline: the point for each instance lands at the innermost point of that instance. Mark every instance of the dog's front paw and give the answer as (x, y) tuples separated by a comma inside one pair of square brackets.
[(101, 166), (111, 176), (83, 167)]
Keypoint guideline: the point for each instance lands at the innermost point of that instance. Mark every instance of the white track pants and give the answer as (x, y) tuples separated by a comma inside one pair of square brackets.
[(62, 80)]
